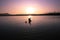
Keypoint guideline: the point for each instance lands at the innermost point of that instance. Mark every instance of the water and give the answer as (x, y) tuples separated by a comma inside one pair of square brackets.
[(41, 27)]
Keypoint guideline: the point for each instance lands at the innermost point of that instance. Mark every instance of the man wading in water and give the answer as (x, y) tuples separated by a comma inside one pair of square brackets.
[(29, 21)]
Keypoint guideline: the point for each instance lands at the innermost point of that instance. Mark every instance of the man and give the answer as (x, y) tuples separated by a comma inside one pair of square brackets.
[(29, 20)]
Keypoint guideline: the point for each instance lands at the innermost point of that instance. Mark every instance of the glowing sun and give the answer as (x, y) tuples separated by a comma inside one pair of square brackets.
[(30, 10)]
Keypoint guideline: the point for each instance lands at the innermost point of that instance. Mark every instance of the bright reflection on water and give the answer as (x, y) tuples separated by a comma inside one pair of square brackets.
[(41, 26)]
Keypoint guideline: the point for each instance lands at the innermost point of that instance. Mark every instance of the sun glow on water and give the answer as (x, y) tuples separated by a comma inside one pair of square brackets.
[(29, 16)]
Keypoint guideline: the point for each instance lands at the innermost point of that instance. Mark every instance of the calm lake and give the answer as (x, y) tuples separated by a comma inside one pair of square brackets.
[(41, 27)]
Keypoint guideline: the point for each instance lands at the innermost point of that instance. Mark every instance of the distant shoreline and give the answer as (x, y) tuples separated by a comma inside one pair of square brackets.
[(47, 14), (30, 15)]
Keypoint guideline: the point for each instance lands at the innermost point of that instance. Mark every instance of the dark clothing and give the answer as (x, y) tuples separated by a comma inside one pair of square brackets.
[(29, 20)]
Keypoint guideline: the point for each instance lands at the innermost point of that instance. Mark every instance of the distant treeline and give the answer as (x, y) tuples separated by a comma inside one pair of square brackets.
[(4, 14), (7, 14)]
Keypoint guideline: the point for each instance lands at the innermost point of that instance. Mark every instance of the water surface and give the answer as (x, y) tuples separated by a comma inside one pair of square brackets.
[(41, 27)]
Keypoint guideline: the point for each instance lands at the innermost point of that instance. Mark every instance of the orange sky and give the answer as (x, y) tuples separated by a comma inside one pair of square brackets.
[(20, 6)]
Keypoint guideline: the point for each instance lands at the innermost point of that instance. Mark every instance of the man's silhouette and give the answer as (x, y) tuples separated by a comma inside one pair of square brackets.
[(29, 20)]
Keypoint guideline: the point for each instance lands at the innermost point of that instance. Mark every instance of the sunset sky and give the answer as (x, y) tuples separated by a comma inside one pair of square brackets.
[(20, 6)]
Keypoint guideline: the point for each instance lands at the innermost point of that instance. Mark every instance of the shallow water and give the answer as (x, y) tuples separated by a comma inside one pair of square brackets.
[(41, 27)]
